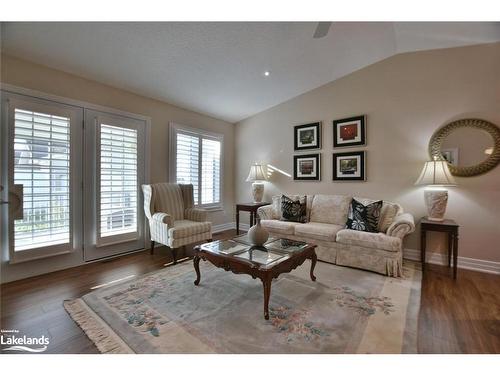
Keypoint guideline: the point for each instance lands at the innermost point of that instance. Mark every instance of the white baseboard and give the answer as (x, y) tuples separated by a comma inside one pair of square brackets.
[(463, 262), (227, 226)]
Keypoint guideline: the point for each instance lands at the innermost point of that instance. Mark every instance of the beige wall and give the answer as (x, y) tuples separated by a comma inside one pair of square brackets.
[(406, 98), (33, 76), (29, 75)]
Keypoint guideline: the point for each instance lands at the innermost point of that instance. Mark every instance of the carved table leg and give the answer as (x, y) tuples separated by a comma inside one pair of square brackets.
[(314, 259), (267, 293), (196, 262)]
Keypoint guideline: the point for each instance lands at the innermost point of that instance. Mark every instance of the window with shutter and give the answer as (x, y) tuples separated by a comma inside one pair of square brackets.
[(42, 166), (196, 159)]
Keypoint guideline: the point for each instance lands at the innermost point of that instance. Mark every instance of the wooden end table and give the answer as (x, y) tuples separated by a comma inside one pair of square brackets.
[(266, 273), (448, 226), (249, 207)]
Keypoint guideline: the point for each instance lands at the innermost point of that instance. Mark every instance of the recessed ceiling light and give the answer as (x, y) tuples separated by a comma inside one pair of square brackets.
[(267, 73)]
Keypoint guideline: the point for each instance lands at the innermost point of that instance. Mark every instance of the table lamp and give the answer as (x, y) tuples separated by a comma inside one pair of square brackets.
[(257, 176), (436, 176)]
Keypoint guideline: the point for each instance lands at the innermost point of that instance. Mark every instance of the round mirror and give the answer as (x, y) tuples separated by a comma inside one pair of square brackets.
[(470, 146)]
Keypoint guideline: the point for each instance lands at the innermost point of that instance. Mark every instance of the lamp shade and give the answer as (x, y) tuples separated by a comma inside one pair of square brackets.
[(256, 173), (436, 172)]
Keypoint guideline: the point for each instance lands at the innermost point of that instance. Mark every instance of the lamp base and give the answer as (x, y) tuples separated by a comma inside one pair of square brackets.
[(436, 201), (257, 191)]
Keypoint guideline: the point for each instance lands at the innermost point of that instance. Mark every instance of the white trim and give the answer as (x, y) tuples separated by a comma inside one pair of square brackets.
[(480, 265)]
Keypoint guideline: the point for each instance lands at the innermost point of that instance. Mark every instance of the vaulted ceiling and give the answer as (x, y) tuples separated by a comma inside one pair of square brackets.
[(218, 68)]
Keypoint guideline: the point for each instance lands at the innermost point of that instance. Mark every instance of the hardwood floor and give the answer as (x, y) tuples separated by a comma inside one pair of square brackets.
[(455, 317)]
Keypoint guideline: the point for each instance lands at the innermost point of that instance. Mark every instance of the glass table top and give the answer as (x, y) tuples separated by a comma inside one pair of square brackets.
[(275, 250)]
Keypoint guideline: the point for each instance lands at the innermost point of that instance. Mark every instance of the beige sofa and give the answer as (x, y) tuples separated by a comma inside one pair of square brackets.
[(326, 217)]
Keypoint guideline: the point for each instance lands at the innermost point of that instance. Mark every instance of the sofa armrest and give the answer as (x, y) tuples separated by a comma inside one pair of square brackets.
[(162, 218), (195, 214), (402, 225), (265, 212)]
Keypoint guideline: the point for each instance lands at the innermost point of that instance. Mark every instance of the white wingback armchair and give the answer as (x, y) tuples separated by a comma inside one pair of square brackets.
[(173, 220)]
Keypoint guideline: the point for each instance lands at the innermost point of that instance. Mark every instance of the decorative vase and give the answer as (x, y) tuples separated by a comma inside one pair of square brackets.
[(257, 234)]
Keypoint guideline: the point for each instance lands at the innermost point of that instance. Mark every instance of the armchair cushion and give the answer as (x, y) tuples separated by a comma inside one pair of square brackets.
[(195, 214), (188, 228), (168, 198), (379, 241)]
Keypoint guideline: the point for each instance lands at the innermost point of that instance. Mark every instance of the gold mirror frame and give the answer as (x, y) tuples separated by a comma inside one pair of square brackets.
[(491, 162)]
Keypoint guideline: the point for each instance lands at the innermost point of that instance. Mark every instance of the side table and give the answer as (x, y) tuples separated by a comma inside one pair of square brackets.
[(249, 207), (448, 226)]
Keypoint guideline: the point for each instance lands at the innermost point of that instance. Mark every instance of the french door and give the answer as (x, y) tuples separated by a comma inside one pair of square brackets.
[(73, 180), (114, 173), (43, 163)]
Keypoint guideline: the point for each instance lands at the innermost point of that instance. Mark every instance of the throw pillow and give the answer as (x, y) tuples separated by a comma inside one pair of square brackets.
[(293, 210), (387, 215), (363, 218)]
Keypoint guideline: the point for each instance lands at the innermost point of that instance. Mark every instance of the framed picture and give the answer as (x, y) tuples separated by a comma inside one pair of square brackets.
[(307, 137), (349, 132), (349, 166), (307, 167)]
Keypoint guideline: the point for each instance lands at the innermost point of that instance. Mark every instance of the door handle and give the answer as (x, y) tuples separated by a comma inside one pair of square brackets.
[(15, 201)]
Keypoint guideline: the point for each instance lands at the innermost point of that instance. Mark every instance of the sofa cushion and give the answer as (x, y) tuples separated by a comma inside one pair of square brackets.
[(318, 231), (387, 214), (331, 209), (277, 226), (379, 241), (188, 228)]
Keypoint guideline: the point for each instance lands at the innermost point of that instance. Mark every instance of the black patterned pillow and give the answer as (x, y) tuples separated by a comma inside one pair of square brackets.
[(363, 218), (293, 210)]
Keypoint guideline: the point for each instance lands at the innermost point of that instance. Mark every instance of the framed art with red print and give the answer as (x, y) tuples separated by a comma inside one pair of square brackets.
[(349, 132)]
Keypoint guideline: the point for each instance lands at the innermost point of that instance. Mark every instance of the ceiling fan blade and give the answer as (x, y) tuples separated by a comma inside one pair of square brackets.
[(321, 29)]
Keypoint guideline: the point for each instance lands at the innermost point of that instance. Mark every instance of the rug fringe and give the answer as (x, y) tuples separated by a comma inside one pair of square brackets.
[(106, 342)]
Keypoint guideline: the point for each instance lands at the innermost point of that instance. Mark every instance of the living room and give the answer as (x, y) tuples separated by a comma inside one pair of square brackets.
[(333, 183)]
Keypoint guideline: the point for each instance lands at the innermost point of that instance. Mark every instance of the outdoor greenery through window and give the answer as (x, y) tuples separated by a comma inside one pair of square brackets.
[(198, 162), (42, 166)]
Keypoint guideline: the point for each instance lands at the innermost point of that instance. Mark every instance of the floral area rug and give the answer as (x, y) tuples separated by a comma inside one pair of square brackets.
[(345, 311)]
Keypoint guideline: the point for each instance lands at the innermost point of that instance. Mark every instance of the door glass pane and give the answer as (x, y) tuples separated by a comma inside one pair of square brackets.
[(118, 180), (187, 161), (42, 166), (210, 171)]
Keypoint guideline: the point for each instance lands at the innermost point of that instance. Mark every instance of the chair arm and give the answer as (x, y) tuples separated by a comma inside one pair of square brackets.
[(265, 212), (402, 225), (195, 214), (160, 217)]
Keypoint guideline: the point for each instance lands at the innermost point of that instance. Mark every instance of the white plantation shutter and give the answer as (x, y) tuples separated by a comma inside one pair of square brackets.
[(196, 160), (187, 165), (118, 181), (42, 166), (210, 171)]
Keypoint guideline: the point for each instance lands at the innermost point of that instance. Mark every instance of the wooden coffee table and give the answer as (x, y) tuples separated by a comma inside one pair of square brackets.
[(277, 256)]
